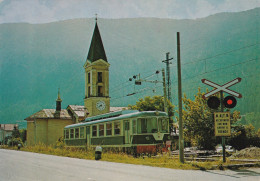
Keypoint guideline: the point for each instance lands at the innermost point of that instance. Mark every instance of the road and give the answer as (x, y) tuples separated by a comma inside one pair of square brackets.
[(26, 166)]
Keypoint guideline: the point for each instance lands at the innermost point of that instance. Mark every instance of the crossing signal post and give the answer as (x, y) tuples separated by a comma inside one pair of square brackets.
[(229, 102)]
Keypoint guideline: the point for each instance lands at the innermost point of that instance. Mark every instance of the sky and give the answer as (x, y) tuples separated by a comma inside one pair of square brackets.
[(44, 11)]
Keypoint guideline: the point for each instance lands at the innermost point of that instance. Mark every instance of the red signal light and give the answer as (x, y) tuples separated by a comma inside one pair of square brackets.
[(230, 102)]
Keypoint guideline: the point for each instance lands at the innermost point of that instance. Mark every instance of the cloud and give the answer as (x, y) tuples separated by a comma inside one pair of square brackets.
[(42, 11)]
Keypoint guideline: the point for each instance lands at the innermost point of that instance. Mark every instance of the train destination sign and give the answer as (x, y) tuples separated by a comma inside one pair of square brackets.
[(222, 87), (222, 123)]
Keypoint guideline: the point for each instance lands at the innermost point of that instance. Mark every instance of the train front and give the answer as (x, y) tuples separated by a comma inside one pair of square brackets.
[(151, 134)]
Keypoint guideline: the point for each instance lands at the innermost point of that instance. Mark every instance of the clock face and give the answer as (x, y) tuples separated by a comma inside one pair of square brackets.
[(101, 105)]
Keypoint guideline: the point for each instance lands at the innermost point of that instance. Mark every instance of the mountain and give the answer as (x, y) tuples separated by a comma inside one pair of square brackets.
[(37, 59)]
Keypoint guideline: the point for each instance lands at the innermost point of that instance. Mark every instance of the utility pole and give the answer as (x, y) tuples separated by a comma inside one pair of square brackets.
[(168, 76), (181, 141), (164, 91), (223, 137)]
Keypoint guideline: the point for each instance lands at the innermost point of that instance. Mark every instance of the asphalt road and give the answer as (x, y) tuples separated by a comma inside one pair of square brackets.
[(26, 166)]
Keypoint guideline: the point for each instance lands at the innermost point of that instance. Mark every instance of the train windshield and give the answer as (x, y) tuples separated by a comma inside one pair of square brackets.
[(163, 125), (147, 125)]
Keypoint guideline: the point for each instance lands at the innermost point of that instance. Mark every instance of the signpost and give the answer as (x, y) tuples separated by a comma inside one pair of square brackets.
[(222, 119), (222, 123)]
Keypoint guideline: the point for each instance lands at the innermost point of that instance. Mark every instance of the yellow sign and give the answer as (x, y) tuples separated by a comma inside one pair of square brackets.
[(222, 123)]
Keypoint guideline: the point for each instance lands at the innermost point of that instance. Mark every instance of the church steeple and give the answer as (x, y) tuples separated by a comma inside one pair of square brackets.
[(96, 50), (58, 102)]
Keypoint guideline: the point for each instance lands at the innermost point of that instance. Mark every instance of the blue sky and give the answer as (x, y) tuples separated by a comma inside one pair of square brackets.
[(43, 11)]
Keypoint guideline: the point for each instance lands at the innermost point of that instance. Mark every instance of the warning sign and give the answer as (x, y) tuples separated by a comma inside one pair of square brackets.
[(222, 123)]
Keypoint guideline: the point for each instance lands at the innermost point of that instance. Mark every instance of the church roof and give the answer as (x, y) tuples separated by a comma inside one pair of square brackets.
[(96, 50), (49, 114), (78, 110)]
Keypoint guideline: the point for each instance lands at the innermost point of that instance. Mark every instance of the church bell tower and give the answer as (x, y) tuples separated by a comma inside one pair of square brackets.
[(97, 100)]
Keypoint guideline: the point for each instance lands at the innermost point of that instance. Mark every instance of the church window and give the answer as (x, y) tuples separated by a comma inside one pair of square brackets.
[(94, 130), (81, 132), (101, 130), (88, 91), (71, 133), (117, 128), (109, 129), (100, 91), (89, 77), (99, 76), (77, 133)]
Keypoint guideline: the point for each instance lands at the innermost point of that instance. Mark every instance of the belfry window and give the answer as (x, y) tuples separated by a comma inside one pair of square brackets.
[(99, 76), (89, 77), (100, 91)]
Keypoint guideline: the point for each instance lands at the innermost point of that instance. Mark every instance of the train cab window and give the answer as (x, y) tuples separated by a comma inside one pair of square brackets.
[(81, 132), (109, 129), (94, 130), (117, 128), (77, 133), (134, 126), (101, 130), (142, 125), (67, 134), (163, 125), (71, 133), (152, 125)]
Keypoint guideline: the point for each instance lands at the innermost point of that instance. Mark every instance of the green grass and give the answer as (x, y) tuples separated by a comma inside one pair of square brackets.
[(159, 161)]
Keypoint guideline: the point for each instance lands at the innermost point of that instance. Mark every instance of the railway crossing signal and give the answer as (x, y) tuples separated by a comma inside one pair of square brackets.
[(229, 101)]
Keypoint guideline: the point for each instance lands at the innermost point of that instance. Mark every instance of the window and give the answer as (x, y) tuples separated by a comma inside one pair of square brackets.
[(126, 125), (101, 130), (117, 128), (77, 133), (71, 133), (67, 134), (163, 125), (100, 91), (134, 126), (99, 76), (142, 125), (94, 130), (88, 91), (89, 77), (152, 125), (109, 129), (81, 132)]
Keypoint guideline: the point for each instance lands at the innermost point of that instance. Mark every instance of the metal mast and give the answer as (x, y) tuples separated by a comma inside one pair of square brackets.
[(168, 77)]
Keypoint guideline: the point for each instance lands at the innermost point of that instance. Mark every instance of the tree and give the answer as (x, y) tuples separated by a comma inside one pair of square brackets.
[(155, 103), (198, 122)]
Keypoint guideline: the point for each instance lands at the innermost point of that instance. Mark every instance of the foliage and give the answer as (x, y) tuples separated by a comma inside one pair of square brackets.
[(251, 118), (14, 142), (155, 103), (23, 133), (244, 136), (198, 122), (60, 143), (15, 133)]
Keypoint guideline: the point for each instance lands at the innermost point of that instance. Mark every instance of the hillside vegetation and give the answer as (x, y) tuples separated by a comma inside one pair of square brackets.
[(37, 59)]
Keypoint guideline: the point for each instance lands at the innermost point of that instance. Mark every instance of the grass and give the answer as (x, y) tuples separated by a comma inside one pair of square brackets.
[(164, 160)]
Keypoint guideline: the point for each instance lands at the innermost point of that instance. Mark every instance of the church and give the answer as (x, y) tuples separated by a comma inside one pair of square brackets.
[(46, 126)]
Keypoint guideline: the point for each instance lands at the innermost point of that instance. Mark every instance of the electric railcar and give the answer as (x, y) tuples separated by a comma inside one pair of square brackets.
[(132, 131)]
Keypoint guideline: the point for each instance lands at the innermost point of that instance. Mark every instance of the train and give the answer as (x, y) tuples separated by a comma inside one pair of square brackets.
[(132, 131)]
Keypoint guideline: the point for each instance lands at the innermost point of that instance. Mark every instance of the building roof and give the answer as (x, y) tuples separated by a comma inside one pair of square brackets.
[(49, 114), (96, 50), (78, 110), (115, 109), (8, 127)]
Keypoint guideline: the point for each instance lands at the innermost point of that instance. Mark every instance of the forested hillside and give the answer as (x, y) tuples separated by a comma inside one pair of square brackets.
[(37, 59)]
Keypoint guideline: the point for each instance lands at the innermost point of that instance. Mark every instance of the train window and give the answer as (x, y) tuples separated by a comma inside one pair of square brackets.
[(126, 125), (109, 129), (71, 133), (152, 125), (163, 125), (77, 133), (101, 130), (81, 132), (134, 126), (67, 134), (142, 125), (117, 128), (94, 130)]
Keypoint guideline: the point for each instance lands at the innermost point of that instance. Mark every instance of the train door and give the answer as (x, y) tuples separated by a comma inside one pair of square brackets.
[(88, 136), (126, 130)]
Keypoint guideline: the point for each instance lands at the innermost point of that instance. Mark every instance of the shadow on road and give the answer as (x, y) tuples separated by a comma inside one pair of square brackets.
[(247, 172)]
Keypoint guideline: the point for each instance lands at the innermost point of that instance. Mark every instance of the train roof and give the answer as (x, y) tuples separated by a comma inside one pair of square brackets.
[(116, 116)]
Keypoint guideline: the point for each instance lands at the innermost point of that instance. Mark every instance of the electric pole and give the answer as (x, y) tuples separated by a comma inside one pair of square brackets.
[(181, 141), (168, 77)]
